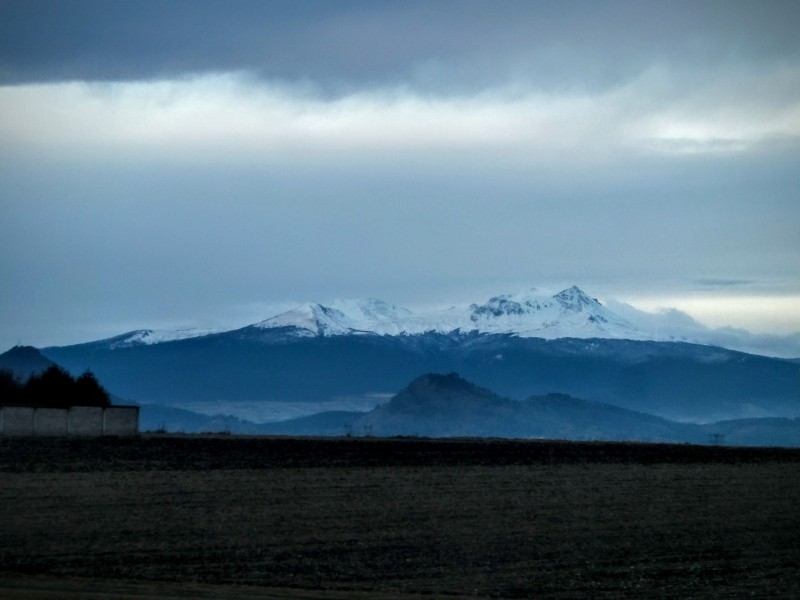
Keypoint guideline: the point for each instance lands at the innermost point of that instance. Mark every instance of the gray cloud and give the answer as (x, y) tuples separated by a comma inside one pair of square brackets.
[(158, 242), (445, 44), (714, 282)]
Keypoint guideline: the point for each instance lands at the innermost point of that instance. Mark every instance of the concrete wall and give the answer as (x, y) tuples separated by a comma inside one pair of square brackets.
[(50, 421), (17, 420), (121, 420), (77, 420), (85, 420)]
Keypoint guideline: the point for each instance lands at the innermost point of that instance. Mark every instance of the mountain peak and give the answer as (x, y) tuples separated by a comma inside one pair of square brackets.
[(439, 382), (23, 361), (311, 317), (509, 305), (23, 352), (434, 392), (575, 298)]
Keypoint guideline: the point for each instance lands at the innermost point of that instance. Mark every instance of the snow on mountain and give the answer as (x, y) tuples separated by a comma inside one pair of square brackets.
[(345, 317), (373, 315), (570, 313), (151, 336), (311, 319)]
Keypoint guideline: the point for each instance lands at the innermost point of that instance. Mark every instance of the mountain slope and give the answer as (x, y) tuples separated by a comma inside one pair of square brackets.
[(151, 336)]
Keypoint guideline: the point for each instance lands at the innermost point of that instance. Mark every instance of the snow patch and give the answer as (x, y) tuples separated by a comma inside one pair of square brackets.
[(146, 337)]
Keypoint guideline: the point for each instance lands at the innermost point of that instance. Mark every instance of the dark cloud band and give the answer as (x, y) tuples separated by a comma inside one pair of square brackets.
[(445, 44)]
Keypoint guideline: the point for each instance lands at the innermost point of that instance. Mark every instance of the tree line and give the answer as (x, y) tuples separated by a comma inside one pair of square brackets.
[(52, 388)]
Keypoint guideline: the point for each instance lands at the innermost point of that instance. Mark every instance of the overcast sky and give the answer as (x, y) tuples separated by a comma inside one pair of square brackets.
[(171, 164)]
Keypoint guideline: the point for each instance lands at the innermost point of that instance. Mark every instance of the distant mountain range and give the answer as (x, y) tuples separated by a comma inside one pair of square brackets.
[(352, 355), (445, 405), (436, 405), (570, 313)]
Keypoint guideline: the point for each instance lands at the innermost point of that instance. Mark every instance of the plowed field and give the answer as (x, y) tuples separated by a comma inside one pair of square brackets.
[(270, 517)]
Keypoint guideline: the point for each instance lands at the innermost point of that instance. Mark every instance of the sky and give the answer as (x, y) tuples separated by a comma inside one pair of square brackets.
[(179, 163)]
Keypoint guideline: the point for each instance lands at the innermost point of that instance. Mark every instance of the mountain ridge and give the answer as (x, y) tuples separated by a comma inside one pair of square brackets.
[(571, 313), (447, 405)]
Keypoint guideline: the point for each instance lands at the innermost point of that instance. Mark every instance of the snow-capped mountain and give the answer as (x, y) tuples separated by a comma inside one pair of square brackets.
[(518, 344), (570, 313)]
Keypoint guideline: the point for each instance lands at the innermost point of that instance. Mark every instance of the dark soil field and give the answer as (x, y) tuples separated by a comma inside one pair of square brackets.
[(230, 517)]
